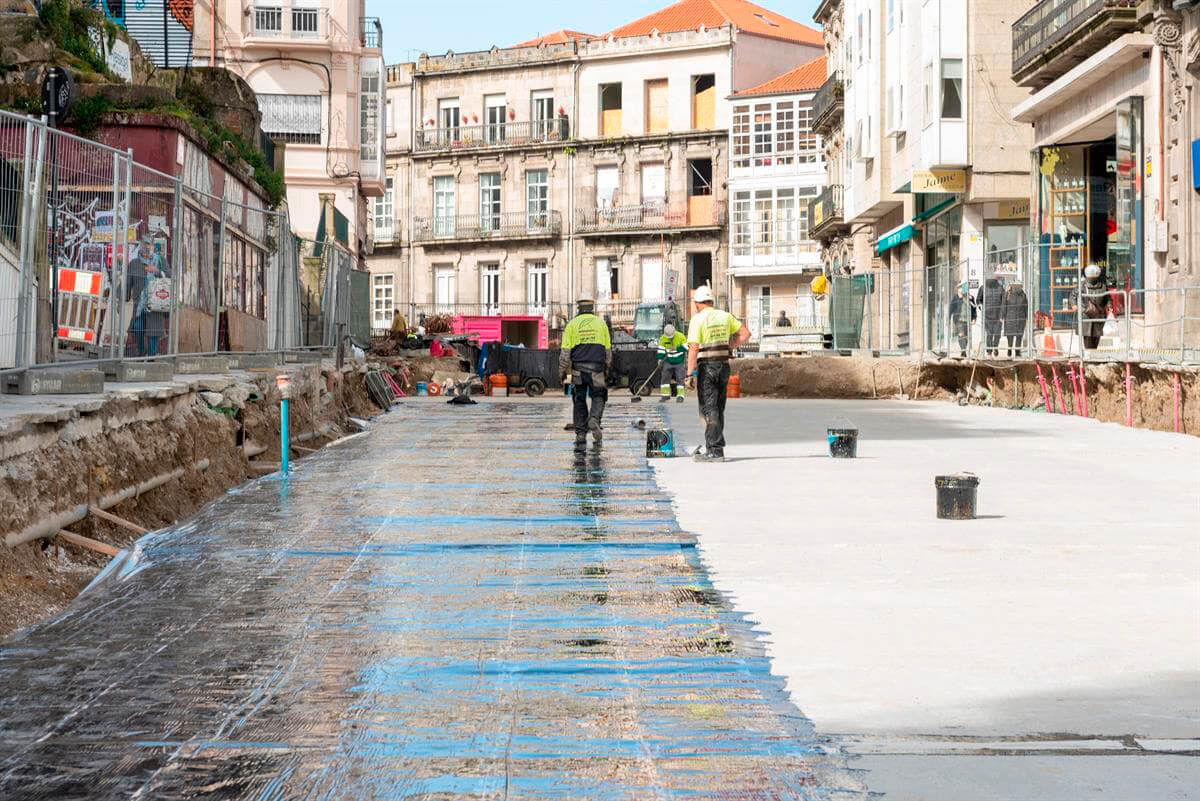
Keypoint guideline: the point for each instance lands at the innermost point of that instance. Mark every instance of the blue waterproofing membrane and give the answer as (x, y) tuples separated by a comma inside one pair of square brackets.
[(456, 605)]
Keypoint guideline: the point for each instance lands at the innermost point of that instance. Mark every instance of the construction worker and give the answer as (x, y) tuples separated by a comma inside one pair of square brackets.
[(672, 353), (584, 358), (713, 335)]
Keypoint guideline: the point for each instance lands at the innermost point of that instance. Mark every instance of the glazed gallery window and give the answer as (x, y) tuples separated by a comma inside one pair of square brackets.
[(774, 133), (370, 145), (489, 201), (443, 205), (952, 89), (382, 300), (489, 287)]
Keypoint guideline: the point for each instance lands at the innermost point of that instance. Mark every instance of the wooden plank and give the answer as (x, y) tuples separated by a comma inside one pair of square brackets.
[(87, 542), (117, 521)]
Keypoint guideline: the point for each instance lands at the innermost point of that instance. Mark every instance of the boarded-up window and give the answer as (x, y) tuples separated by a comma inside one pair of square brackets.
[(610, 110), (704, 102), (657, 120)]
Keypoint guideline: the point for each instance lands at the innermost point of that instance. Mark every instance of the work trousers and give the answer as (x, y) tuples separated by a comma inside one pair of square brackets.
[(585, 383), (711, 381), (672, 378), (992, 332)]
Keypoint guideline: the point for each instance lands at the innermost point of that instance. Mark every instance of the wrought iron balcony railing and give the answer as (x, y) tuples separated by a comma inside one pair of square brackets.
[(827, 103), (825, 211), (502, 134), (698, 212), (1055, 35), (481, 227)]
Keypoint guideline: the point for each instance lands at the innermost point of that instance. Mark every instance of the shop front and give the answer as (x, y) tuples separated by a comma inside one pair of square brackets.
[(1089, 211)]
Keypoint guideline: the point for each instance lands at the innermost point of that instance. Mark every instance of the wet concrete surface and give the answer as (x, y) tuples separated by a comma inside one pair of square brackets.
[(456, 604)]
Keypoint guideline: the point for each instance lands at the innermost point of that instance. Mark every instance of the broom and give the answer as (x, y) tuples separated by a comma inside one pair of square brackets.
[(637, 393)]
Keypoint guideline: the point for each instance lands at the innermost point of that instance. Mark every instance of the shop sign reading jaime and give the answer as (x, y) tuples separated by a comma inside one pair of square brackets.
[(949, 181), (1013, 209)]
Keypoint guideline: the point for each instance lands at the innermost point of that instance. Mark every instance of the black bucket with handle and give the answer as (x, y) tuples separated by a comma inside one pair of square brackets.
[(843, 442), (956, 495)]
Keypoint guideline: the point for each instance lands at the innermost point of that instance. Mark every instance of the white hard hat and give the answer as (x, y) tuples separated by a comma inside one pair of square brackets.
[(1092, 271), (669, 330), (703, 294)]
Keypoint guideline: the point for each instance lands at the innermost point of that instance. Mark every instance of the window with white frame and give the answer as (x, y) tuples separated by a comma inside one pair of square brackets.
[(785, 221), (444, 288), (774, 133), (443, 205), (383, 301), (741, 224), (489, 201), (449, 117), (489, 287), (537, 198), (764, 213), (952, 89), (291, 118), (539, 278), (306, 19), (384, 220), (764, 139), (543, 114)]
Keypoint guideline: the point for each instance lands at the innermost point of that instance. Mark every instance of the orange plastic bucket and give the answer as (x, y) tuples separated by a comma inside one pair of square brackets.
[(500, 385), (734, 388)]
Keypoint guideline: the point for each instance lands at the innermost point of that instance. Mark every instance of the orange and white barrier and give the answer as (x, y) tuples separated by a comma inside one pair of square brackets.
[(81, 294)]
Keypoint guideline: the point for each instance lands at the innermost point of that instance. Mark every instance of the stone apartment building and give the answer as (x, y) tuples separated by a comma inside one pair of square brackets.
[(577, 165), (317, 69)]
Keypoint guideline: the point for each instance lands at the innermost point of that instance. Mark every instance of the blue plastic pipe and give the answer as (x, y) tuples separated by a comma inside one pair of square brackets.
[(283, 435)]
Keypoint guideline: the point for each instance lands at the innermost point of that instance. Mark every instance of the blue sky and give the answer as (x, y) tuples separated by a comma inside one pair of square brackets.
[(462, 25)]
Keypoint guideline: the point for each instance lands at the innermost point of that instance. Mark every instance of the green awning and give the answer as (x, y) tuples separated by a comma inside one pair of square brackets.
[(936, 209), (896, 236)]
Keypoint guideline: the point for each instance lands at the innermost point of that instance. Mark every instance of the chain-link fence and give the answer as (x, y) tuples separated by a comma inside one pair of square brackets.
[(104, 258)]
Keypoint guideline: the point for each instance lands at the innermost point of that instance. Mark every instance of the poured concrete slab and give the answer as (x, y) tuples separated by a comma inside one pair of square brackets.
[(1069, 607)]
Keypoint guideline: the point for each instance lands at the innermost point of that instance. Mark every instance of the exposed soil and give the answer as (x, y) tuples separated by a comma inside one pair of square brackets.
[(994, 384), (129, 441)]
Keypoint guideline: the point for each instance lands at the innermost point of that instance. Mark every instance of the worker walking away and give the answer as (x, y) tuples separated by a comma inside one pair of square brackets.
[(713, 335), (672, 353), (583, 360)]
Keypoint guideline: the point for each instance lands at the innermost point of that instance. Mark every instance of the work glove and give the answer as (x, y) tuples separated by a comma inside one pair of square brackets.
[(690, 382)]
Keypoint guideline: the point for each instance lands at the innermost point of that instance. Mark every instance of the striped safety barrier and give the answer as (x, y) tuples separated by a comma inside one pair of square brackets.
[(80, 297)]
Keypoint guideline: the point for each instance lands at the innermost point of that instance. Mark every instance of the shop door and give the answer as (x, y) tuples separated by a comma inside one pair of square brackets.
[(758, 316)]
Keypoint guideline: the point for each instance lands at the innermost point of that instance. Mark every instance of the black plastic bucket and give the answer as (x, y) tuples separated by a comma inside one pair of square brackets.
[(843, 442), (956, 496)]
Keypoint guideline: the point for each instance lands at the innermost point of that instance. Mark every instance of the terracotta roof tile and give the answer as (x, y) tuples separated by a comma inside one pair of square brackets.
[(689, 15), (558, 37), (805, 78)]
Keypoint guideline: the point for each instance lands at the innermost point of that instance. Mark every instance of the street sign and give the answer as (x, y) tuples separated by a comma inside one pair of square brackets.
[(58, 88)]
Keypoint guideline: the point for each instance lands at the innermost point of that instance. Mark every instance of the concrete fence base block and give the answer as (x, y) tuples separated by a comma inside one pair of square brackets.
[(55, 382), (195, 365), (140, 371), (249, 361), (303, 356)]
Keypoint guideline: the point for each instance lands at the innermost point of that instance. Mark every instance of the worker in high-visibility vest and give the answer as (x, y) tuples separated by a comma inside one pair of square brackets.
[(672, 355), (713, 335), (584, 358)]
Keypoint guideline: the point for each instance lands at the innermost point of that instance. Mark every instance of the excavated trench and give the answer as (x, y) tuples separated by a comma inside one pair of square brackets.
[(1012, 385), (190, 434)]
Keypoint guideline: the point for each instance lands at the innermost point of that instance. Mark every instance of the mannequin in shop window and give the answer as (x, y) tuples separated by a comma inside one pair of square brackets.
[(962, 314), (1014, 311)]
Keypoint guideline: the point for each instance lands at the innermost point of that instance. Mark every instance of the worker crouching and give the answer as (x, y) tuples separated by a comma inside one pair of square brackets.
[(584, 359), (713, 335)]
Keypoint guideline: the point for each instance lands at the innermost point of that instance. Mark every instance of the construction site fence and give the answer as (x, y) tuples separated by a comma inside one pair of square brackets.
[(102, 257), (1031, 302)]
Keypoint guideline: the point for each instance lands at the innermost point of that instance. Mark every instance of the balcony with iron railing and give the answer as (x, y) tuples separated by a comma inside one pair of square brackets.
[(827, 104), (496, 135), (1055, 35), (699, 212), (281, 21), (372, 33), (826, 212), (487, 227)]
